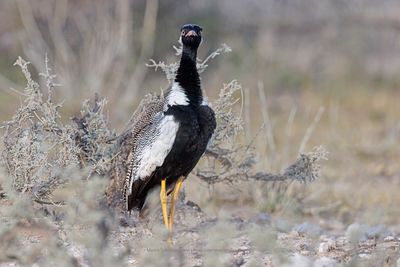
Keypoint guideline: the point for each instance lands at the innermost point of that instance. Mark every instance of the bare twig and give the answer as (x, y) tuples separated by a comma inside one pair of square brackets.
[(311, 129)]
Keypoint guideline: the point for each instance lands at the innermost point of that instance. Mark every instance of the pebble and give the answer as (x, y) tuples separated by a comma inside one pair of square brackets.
[(305, 253), (298, 260), (323, 247), (389, 238), (327, 246), (364, 255), (325, 262)]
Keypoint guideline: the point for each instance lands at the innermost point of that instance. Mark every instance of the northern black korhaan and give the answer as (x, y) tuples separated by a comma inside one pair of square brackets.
[(171, 136)]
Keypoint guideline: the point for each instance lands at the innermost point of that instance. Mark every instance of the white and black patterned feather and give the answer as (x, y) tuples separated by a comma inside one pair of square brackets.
[(142, 124)]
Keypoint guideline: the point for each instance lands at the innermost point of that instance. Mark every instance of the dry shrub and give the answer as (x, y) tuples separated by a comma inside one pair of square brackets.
[(49, 182)]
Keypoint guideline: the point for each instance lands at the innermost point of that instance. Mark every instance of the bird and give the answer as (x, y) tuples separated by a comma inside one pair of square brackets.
[(171, 134)]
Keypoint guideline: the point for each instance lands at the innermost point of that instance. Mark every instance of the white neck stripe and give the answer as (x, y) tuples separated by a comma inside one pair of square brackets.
[(177, 95)]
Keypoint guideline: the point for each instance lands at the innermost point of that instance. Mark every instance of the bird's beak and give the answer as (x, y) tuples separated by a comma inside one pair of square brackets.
[(190, 33)]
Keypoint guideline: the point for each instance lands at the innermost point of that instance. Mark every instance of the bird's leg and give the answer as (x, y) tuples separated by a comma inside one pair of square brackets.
[(163, 197), (174, 198)]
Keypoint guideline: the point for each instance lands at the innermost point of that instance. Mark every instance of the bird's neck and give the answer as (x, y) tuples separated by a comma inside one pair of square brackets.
[(188, 77)]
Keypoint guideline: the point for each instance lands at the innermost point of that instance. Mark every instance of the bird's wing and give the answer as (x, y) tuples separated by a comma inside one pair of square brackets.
[(144, 117), (153, 143)]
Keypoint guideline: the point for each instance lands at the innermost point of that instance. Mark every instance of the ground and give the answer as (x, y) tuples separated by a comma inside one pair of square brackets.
[(202, 240)]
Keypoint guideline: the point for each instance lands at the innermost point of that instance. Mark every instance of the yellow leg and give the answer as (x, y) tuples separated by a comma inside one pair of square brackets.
[(174, 198), (163, 197)]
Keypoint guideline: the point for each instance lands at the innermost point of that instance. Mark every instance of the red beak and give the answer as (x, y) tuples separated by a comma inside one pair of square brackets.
[(191, 33)]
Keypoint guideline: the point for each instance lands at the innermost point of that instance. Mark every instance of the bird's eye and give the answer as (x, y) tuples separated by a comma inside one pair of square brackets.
[(183, 32)]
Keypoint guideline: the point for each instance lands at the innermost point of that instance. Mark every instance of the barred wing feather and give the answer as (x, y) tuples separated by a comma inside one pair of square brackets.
[(152, 145)]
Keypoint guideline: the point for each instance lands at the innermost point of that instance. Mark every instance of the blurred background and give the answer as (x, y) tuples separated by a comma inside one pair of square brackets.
[(313, 72)]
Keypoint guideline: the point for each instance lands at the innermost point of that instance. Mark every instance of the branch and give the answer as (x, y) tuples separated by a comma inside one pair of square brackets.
[(305, 169)]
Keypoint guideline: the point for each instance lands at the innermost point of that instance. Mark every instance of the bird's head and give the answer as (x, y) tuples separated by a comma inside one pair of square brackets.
[(191, 35)]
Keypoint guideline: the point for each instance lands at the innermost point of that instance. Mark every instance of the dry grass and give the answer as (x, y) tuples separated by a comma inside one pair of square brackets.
[(300, 81)]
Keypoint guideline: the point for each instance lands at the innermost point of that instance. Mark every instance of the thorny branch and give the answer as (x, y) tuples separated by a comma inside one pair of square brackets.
[(304, 169)]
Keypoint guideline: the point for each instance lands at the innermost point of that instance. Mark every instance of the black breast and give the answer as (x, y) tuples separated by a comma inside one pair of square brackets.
[(196, 125)]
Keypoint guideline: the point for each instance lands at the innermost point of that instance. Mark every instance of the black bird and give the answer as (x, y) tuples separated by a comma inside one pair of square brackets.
[(170, 136)]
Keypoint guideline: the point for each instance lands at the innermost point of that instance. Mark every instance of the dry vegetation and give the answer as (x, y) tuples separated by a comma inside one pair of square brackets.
[(257, 198), (67, 168)]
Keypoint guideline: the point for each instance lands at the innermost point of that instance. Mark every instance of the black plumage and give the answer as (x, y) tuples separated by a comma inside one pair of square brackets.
[(182, 124)]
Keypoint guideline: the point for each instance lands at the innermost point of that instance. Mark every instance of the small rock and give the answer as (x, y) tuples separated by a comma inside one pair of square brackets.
[(238, 222), (192, 235), (128, 221), (236, 219), (324, 238), (193, 205), (298, 260), (325, 262), (239, 262), (303, 246), (323, 247), (389, 239), (327, 246), (364, 255), (305, 252)]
